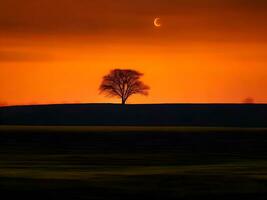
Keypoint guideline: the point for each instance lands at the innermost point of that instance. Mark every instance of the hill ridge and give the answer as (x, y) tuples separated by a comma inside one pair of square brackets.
[(229, 115)]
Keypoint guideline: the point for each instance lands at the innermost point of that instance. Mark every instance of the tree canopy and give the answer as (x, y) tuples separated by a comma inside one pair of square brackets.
[(123, 83)]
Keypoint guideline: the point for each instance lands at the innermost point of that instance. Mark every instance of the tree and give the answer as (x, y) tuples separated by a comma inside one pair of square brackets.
[(123, 84), (249, 100)]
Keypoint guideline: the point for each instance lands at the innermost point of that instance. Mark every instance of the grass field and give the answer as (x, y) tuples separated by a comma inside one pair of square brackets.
[(133, 163)]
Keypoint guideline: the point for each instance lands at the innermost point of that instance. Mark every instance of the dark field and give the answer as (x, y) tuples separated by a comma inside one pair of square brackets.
[(133, 163)]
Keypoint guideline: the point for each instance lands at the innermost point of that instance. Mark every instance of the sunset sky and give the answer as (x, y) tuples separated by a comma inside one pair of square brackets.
[(206, 51)]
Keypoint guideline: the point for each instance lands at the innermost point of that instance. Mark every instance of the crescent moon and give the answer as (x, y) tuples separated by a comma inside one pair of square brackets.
[(157, 22)]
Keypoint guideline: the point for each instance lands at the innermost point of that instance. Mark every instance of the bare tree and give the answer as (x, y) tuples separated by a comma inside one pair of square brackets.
[(123, 84)]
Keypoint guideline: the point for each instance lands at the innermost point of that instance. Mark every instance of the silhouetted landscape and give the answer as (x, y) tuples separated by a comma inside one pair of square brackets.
[(92, 92), (204, 115), (106, 151)]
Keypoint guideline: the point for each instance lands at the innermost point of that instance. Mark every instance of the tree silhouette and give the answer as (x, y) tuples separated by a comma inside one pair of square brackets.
[(123, 84), (249, 100)]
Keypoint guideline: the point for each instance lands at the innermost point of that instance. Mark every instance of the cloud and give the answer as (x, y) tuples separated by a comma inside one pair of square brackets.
[(185, 19), (21, 56)]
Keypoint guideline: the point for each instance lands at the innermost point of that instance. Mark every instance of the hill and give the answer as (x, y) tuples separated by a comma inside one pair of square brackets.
[(229, 115)]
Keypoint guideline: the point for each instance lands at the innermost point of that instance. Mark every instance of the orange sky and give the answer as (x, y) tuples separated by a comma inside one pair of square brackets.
[(207, 51)]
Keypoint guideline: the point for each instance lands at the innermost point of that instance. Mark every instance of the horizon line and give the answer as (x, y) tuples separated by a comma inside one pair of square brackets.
[(129, 104)]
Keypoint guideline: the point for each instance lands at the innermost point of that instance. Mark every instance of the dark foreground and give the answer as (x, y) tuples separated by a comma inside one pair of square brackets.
[(133, 163), (205, 115)]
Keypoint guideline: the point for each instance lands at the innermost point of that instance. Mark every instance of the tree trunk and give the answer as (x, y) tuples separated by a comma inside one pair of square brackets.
[(123, 101)]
